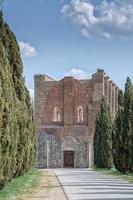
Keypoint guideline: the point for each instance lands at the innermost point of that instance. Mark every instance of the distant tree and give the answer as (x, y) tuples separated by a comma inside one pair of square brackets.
[(131, 152), (103, 137), (123, 131), (117, 135), (127, 128), (97, 142)]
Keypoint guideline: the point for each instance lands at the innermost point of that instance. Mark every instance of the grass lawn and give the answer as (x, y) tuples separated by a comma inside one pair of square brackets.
[(17, 186), (128, 176)]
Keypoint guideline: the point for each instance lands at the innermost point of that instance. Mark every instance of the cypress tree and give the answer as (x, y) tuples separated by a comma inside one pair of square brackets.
[(17, 129), (97, 142), (118, 133), (103, 138), (123, 133), (131, 152), (126, 136)]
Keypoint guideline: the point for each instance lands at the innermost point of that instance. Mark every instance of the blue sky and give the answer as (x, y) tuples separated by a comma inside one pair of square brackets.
[(73, 37)]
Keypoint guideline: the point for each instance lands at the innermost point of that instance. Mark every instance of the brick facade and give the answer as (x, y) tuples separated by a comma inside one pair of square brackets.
[(65, 113)]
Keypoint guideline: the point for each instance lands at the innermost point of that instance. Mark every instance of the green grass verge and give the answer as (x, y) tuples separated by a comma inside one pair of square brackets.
[(18, 185), (128, 176)]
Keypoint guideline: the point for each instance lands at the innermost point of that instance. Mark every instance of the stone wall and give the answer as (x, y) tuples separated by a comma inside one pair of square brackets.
[(51, 148)]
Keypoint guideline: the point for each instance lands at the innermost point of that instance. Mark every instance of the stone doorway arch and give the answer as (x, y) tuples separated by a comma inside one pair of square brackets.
[(69, 151)]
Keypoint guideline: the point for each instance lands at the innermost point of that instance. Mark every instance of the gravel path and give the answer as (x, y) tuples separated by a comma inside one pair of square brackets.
[(48, 188)]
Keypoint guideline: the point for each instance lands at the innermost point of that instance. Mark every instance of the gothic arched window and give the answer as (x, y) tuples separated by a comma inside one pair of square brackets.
[(56, 114), (80, 114)]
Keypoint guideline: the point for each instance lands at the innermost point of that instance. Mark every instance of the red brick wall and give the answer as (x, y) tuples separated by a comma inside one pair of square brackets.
[(82, 98), (69, 85), (68, 94), (53, 98)]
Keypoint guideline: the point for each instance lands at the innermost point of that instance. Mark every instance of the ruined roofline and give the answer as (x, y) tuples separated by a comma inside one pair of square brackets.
[(86, 79), (106, 77), (46, 77), (98, 71)]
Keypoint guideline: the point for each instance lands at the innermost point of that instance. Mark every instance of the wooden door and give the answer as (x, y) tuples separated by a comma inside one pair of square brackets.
[(69, 159)]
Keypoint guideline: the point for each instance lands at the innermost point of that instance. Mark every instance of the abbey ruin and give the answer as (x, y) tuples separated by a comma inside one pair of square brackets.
[(65, 113)]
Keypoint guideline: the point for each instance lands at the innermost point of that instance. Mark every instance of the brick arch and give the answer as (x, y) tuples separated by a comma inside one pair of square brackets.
[(82, 98), (54, 98), (80, 114), (56, 114)]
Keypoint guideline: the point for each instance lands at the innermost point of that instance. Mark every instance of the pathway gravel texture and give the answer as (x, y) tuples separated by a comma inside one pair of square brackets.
[(82, 184), (48, 188)]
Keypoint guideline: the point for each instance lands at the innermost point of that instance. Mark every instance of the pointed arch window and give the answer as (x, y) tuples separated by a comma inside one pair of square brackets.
[(80, 114), (56, 114)]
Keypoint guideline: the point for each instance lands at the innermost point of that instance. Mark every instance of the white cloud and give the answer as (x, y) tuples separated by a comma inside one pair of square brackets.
[(85, 33), (107, 19), (77, 73), (27, 50)]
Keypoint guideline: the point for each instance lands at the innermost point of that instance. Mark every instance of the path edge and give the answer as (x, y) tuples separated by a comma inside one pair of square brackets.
[(60, 185)]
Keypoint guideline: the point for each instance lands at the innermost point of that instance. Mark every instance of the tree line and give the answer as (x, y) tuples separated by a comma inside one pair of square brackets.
[(17, 129), (113, 139)]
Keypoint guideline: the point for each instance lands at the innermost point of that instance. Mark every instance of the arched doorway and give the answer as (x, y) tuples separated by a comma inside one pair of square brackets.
[(69, 151)]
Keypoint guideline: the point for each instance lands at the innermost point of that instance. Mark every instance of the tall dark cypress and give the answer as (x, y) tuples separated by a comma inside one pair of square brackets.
[(17, 129), (128, 97), (103, 137), (123, 133), (131, 152), (117, 138), (97, 142)]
